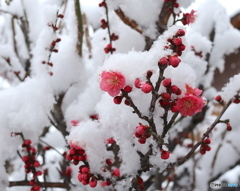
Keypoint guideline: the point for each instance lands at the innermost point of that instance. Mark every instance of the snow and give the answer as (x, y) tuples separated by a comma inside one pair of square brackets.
[(231, 88), (232, 6), (27, 112), (135, 13), (34, 102)]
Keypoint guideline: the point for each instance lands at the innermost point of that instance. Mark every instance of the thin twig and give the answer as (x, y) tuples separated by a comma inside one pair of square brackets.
[(136, 110), (50, 146), (108, 27), (217, 151), (7, 12), (169, 125), (206, 134)]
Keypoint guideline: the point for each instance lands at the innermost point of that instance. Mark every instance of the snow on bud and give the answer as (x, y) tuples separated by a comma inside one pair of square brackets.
[(112, 82)]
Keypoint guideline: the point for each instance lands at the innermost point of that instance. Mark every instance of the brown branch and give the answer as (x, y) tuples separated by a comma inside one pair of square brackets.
[(163, 17), (16, 73), (131, 23), (7, 12), (155, 95), (79, 26), (217, 151), (25, 30), (14, 40), (169, 125), (206, 134), (136, 110), (58, 116), (42, 184), (235, 20), (108, 27), (221, 173), (64, 3), (51, 147), (161, 23), (87, 36)]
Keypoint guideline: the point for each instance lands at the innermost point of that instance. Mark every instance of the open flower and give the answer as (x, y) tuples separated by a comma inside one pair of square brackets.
[(189, 105), (193, 91), (189, 18), (112, 82)]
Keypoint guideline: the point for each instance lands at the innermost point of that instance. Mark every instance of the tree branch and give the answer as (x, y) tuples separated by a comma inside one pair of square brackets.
[(42, 184), (79, 26), (163, 17), (206, 134), (129, 22)]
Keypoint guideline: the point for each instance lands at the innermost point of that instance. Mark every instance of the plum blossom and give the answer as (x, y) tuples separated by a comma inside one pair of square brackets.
[(189, 18), (193, 91), (191, 103), (112, 82)]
